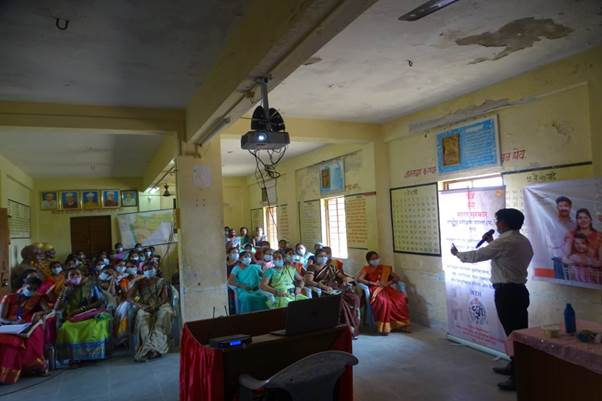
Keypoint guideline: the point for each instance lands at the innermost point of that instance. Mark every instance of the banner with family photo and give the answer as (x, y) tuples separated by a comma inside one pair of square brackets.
[(465, 215), (564, 220)]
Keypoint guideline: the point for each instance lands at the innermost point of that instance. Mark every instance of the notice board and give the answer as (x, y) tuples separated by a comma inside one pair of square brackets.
[(310, 222), (415, 219)]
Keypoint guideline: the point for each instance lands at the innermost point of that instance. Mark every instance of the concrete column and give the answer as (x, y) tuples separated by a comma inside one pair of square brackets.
[(201, 250)]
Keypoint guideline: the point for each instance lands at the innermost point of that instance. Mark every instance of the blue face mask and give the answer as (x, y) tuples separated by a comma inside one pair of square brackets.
[(234, 256), (246, 260), (279, 263), (104, 276), (26, 292), (150, 273), (322, 260), (132, 270), (267, 258)]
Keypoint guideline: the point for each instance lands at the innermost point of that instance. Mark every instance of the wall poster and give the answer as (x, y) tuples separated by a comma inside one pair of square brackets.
[(310, 220), (471, 315), (356, 219), (475, 144), (332, 177), (415, 219), (564, 219)]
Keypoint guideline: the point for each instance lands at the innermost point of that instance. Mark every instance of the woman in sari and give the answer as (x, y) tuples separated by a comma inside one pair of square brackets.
[(54, 284), (152, 296), (390, 306), (125, 277), (84, 334), (283, 281), (325, 275), (19, 354), (246, 277)]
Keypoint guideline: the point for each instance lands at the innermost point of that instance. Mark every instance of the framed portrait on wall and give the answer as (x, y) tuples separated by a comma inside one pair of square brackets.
[(110, 198), (70, 200), (49, 201), (90, 199), (129, 198)]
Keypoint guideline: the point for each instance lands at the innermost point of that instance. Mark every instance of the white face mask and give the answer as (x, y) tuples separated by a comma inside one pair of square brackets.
[(26, 292), (57, 270), (301, 251), (234, 256), (106, 261), (246, 260), (375, 262), (267, 258), (135, 259)]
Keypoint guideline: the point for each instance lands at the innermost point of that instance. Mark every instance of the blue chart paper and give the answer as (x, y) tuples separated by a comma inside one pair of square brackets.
[(332, 177), (469, 146)]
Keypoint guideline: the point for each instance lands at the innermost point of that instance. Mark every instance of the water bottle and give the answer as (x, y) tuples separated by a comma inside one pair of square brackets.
[(570, 325)]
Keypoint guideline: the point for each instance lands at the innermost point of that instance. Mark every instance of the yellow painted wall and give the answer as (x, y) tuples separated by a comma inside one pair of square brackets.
[(236, 202), (54, 226), (16, 185), (555, 126)]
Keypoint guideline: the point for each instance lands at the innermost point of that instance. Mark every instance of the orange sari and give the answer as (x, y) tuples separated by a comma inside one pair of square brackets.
[(390, 306)]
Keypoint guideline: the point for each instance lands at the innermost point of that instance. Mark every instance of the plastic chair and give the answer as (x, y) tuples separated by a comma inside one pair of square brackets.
[(368, 314), (232, 288), (312, 378)]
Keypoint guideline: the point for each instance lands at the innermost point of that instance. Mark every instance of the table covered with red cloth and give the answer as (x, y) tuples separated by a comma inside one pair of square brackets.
[(209, 374)]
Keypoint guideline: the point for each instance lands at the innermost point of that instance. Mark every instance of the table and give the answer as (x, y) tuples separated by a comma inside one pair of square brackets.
[(212, 374), (557, 368)]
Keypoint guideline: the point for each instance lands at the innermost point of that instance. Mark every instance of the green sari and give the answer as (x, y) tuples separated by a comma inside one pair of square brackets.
[(282, 279)]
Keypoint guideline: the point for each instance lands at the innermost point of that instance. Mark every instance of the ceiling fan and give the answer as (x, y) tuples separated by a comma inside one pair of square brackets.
[(425, 9)]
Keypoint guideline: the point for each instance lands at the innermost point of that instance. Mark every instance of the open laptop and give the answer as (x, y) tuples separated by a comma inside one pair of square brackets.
[(311, 315)]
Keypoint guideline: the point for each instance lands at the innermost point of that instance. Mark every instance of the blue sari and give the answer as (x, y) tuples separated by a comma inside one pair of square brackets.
[(253, 299)]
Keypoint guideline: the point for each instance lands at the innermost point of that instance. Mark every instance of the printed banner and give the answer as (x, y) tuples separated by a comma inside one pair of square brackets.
[(564, 220), (471, 315)]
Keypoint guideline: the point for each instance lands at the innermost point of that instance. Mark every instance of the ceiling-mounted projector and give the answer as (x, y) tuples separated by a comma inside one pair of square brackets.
[(267, 127)]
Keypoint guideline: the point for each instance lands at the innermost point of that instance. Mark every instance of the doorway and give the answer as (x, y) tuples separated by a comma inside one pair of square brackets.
[(91, 234)]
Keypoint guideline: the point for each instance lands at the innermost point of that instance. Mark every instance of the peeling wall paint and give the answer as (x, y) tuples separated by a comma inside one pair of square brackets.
[(516, 35)]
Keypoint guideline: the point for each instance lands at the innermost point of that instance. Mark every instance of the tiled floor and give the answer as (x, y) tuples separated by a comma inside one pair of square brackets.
[(410, 367)]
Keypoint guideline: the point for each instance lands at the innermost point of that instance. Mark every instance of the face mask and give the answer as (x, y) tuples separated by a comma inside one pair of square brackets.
[(135, 258), (234, 256), (148, 254), (375, 262), (138, 249), (100, 267), (132, 270), (119, 250), (290, 259), (246, 261), (106, 261), (150, 273), (104, 276), (268, 258), (322, 260), (301, 251), (75, 280), (77, 262), (297, 258), (26, 292), (121, 269), (279, 263), (57, 270), (253, 250)]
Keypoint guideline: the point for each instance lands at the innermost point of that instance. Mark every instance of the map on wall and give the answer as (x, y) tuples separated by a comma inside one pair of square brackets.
[(415, 218), (147, 228), (311, 222)]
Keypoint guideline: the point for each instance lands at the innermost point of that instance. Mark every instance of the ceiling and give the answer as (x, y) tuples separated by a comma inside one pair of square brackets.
[(51, 152), (147, 53), (238, 162), (379, 68)]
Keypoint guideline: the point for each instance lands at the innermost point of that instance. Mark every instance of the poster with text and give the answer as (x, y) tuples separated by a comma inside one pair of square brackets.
[(564, 220), (332, 177), (465, 215)]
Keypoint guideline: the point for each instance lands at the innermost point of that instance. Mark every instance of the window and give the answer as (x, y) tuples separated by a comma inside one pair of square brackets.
[(271, 225), (334, 229), (479, 182)]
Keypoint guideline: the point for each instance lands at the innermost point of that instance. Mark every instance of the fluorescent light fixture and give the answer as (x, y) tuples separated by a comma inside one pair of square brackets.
[(425, 9)]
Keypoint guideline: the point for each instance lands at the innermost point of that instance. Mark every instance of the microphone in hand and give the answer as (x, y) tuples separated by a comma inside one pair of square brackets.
[(488, 236)]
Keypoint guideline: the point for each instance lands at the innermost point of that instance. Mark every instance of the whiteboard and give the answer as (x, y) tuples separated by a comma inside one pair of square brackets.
[(415, 220)]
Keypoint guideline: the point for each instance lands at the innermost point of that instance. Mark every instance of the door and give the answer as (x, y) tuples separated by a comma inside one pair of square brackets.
[(4, 239), (91, 234)]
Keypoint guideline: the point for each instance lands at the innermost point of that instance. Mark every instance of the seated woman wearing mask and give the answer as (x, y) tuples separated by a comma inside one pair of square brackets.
[(152, 296), (302, 255), (283, 281), (120, 253), (106, 281), (125, 277), (53, 285), (390, 306), (246, 277), (84, 334), (267, 259), (325, 275), (18, 354)]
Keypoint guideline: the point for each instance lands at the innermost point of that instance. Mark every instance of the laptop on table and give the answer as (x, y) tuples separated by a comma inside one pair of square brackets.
[(309, 315)]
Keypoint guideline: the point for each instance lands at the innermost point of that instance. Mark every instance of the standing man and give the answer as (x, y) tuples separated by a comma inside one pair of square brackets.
[(510, 255)]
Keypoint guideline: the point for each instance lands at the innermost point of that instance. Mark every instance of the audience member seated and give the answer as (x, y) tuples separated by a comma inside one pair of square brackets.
[(53, 286), (124, 279), (259, 237), (246, 277), (283, 246), (283, 281), (32, 256), (245, 238), (325, 275), (120, 253), (106, 281), (290, 258), (18, 354), (266, 261), (151, 295), (233, 241), (84, 334), (252, 251), (302, 256), (389, 305)]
